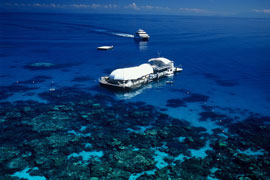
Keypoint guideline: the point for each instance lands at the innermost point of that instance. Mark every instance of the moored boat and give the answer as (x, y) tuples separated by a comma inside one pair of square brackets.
[(104, 47), (135, 77)]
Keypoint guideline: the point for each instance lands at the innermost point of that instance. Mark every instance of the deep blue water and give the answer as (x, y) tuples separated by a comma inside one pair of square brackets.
[(224, 58), (233, 49)]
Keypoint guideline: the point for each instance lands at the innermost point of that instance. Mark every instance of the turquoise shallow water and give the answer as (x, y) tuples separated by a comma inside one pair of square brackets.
[(214, 115)]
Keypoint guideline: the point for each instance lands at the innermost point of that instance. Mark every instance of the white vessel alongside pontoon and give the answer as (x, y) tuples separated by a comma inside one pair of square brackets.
[(135, 77), (141, 35)]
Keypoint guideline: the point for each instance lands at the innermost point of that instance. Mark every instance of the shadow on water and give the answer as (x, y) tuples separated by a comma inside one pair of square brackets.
[(143, 45)]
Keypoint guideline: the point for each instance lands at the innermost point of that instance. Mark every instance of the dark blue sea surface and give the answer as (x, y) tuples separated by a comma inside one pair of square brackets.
[(214, 115)]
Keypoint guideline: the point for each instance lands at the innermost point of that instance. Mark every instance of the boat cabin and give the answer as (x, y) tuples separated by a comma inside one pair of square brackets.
[(162, 65), (141, 35)]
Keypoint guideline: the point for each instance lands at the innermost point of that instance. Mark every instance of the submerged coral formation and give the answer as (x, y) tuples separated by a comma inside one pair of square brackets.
[(48, 66), (219, 81), (77, 135)]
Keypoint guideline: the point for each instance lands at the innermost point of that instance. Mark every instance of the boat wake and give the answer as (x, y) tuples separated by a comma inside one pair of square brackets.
[(95, 29), (123, 35), (108, 32), (100, 30)]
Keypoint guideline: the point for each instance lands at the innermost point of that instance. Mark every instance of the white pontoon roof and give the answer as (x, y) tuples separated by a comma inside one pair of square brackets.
[(132, 72), (160, 59)]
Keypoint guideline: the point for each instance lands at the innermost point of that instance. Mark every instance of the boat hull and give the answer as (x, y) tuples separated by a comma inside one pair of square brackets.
[(137, 38), (116, 87), (103, 81)]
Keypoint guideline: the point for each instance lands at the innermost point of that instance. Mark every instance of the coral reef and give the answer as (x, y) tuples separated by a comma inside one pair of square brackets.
[(48, 66), (219, 81), (190, 98), (77, 135), (7, 91)]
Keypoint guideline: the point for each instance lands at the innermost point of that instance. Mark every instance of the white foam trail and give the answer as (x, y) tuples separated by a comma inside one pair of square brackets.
[(113, 33), (124, 35), (100, 30)]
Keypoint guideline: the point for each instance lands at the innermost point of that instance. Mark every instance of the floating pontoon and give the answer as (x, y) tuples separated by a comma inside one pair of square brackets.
[(135, 77)]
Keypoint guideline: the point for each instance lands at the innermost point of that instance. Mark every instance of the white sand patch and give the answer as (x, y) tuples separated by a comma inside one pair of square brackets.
[(193, 117), (25, 174), (79, 133), (140, 129), (87, 155), (201, 153), (251, 153), (159, 158), (181, 139), (181, 158), (136, 175), (83, 128)]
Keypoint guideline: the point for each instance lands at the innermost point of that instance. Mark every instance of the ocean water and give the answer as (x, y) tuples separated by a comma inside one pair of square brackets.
[(222, 97)]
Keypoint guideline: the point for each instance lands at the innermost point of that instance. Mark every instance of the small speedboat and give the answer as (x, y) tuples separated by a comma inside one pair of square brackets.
[(178, 69), (104, 47), (141, 35)]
